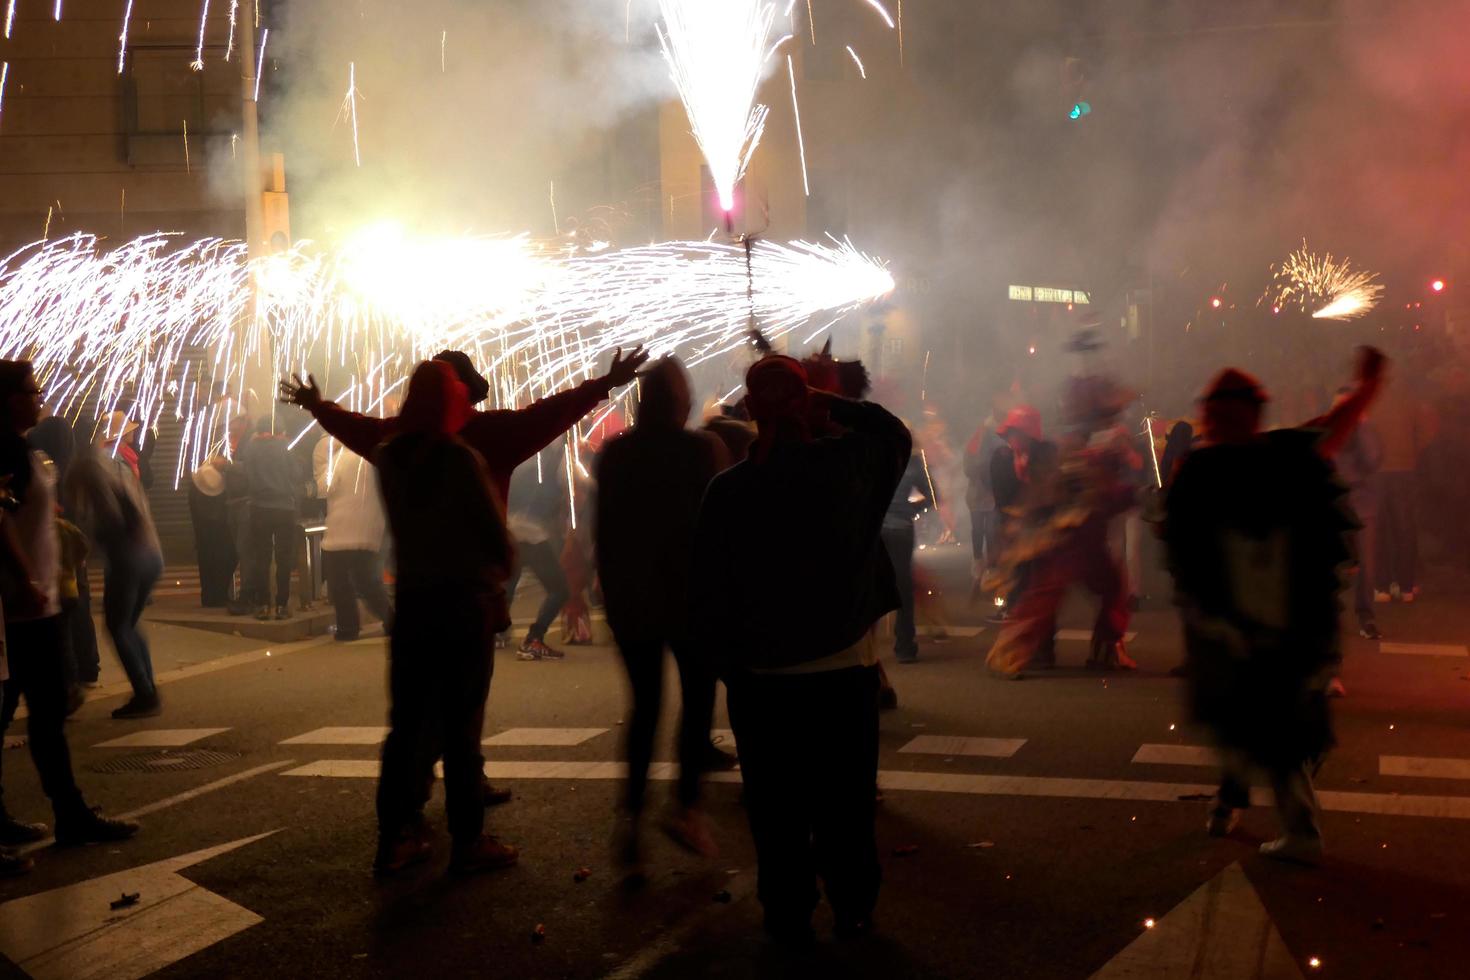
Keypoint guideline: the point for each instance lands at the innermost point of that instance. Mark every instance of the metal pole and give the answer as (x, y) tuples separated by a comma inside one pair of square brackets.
[(250, 142)]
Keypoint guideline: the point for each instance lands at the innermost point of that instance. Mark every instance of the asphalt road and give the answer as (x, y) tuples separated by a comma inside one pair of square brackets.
[(1043, 856)]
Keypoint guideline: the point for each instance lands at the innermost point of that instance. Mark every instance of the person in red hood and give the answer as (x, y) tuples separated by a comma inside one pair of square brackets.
[(453, 558)]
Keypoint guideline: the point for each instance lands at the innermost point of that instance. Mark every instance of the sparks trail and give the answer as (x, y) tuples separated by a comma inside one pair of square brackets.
[(1323, 287)]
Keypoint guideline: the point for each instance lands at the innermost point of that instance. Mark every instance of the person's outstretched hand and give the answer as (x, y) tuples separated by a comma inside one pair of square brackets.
[(625, 369), (1372, 365), (303, 393)]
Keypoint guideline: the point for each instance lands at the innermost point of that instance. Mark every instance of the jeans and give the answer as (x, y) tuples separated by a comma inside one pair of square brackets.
[(271, 532), (1296, 799), (37, 673), (900, 544), (126, 585), (1398, 532), (544, 559), (353, 575), (808, 748), (440, 659), (643, 656)]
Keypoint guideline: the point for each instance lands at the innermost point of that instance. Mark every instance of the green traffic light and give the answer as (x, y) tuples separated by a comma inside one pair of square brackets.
[(1079, 110)]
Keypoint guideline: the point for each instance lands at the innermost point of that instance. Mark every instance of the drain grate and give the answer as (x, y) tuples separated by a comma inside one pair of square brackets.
[(166, 760)]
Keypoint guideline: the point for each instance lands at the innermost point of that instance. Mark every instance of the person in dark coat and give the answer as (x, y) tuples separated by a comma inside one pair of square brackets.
[(214, 546), (789, 579), (276, 480), (1257, 533), (910, 500), (651, 480), (453, 558)]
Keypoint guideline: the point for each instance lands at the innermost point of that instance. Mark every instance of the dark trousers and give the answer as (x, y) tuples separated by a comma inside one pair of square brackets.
[(1365, 505), (126, 585), (353, 575), (37, 673), (271, 532), (544, 559), (900, 544), (984, 531), (440, 659), (1296, 798), (79, 633), (643, 656), (808, 748), (214, 546), (1398, 531)]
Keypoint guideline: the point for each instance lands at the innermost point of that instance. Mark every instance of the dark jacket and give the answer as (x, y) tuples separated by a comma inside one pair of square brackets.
[(904, 508), (788, 563), (275, 477)]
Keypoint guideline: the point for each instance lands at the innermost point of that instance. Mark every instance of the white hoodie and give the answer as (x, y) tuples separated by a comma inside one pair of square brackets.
[(355, 520)]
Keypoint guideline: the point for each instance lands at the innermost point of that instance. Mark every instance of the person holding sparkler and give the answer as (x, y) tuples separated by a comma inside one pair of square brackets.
[(1257, 531), (789, 578)]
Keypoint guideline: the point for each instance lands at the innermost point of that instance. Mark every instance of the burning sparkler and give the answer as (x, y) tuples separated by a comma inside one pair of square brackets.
[(1324, 287), (717, 54)]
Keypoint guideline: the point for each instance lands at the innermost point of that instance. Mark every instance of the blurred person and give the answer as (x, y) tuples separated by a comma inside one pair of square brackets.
[(55, 437), (214, 546), (789, 579), (1405, 428), (29, 575), (980, 499), (352, 545), (1357, 465), (651, 480), (539, 505), (275, 480), (453, 557), (1257, 533), (909, 501), (103, 493), (72, 550), (237, 511), (1010, 470)]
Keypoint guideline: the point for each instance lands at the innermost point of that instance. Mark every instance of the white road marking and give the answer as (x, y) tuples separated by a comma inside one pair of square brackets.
[(370, 735), (995, 748), (72, 933), (159, 738), (544, 736), (1432, 767), (1426, 649), (1177, 755), (723, 736), (970, 784), (1086, 635), (1220, 932)]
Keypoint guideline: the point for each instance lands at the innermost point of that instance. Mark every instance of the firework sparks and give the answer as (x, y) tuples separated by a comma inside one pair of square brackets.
[(882, 12), (186, 147), (122, 39), (158, 325), (260, 63), (198, 63), (1324, 287), (716, 54), (58, 11), (857, 61), (800, 143), (4, 74), (349, 109), (9, 18), (230, 41)]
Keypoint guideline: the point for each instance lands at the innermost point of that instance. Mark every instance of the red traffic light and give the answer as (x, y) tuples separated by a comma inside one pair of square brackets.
[(1437, 285)]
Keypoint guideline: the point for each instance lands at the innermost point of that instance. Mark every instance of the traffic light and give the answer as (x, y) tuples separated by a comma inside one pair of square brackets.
[(1079, 110)]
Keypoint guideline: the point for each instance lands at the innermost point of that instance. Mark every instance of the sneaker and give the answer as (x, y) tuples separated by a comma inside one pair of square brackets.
[(690, 830), (91, 827), (502, 641), (1382, 598), (494, 795), (1222, 822), (263, 613), (1336, 689), (1369, 631), (485, 853), (283, 612), (13, 832), (1111, 656), (538, 650), (13, 865), (139, 707), (1297, 850), (413, 846)]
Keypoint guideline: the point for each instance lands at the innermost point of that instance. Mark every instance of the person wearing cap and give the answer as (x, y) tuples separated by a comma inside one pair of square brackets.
[(213, 546), (1257, 531), (790, 576), (104, 495)]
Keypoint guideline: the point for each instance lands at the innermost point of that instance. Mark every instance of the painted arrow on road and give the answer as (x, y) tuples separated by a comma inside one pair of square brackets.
[(72, 933)]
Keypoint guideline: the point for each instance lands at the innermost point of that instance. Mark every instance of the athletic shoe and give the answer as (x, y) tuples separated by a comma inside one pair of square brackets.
[(502, 641), (1382, 598), (689, 829), (485, 853), (13, 865), (1407, 598), (1369, 631), (413, 846), (283, 612), (139, 707), (494, 795), (538, 650), (1298, 850), (91, 827), (1222, 822), (263, 613), (13, 832)]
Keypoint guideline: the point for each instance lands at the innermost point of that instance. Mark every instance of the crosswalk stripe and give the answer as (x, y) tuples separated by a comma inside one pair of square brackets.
[(159, 738), (995, 748), (969, 784), (1426, 649), (1177, 755), (1431, 767), (340, 736), (544, 736)]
